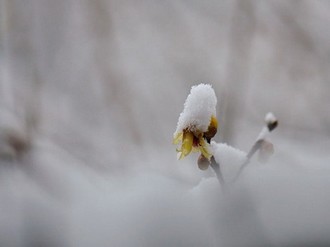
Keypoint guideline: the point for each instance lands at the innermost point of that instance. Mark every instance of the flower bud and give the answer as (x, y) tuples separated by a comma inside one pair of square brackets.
[(203, 162)]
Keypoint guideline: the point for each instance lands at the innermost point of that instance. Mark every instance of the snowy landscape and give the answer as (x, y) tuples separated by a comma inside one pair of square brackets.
[(91, 94)]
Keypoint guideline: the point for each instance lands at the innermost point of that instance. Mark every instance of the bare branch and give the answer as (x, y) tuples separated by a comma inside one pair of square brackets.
[(216, 167), (271, 124)]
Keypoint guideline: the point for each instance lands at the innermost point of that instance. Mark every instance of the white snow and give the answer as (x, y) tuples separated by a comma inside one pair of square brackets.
[(270, 118), (200, 105), (229, 158)]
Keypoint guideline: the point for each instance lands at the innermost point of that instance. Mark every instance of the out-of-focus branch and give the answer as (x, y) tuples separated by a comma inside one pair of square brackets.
[(271, 124)]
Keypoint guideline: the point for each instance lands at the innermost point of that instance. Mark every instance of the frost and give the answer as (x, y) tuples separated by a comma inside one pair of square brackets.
[(200, 105), (229, 158)]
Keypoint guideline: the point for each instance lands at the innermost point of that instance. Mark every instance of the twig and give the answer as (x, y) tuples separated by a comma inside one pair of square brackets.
[(216, 167), (271, 124)]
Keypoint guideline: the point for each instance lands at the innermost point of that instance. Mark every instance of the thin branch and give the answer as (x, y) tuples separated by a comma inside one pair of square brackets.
[(216, 167), (271, 124)]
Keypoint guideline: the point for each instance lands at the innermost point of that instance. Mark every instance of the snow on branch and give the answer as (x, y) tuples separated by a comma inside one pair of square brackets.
[(229, 157)]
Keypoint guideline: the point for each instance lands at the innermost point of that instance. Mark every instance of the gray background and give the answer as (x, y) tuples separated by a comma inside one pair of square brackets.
[(94, 89)]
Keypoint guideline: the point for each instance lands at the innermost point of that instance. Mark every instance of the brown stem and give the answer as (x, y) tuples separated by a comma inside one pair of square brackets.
[(216, 168)]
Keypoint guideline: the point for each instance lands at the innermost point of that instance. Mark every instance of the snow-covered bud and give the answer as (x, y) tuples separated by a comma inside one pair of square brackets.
[(197, 123), (271, 121)]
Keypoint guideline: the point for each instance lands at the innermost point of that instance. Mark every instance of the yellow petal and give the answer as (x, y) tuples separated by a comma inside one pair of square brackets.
[(187, 143), (178, 155), (214, 122), (177, 138), (195, 149), (203, 147)]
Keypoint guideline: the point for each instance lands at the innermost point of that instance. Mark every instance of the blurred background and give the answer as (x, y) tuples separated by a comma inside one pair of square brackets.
[(90, 94)]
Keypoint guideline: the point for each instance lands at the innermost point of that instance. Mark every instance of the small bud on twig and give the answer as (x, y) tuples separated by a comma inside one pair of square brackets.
[(271, 121)]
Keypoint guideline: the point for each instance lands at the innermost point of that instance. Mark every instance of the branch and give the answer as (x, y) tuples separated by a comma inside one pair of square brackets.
[(204, 163), (216, 167), (271, 124)]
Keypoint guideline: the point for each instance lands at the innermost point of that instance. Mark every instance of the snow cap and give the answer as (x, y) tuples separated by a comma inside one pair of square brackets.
[(200, 105), (270, 118)]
